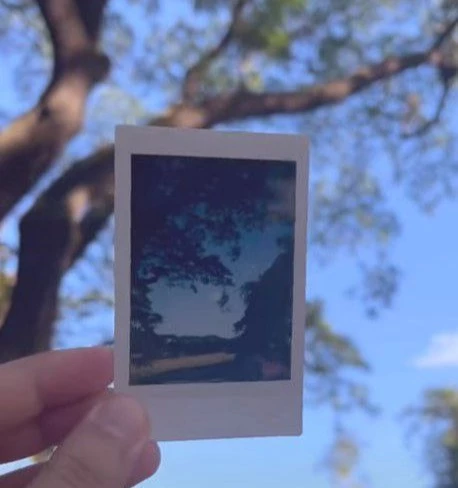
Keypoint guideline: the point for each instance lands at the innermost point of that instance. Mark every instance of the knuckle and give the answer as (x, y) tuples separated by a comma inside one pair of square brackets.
[(74, 471)]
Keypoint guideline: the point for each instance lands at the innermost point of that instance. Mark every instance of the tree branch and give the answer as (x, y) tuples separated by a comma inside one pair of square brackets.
[(429, 124), (194, 74), (76, 207), (70, 27), (445, 34), (33, 141), (54, 234), (242, 104), (447, 70)]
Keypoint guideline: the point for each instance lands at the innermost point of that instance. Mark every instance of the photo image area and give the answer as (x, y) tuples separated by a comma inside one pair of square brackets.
[(211, 269)]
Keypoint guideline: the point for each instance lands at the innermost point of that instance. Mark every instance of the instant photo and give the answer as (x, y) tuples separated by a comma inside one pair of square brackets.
[(210, 280)]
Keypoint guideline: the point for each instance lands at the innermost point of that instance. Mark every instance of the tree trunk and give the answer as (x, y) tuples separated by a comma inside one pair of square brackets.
[(32, 142), (53, 235)]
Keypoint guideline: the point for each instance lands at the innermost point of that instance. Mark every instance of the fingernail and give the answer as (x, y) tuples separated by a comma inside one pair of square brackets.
[(122, 417)]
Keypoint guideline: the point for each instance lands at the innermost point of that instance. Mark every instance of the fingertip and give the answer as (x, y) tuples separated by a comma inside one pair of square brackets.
[(152, 457), (148, 463)]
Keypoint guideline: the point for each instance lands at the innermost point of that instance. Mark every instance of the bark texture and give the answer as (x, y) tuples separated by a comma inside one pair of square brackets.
[(33, 141)]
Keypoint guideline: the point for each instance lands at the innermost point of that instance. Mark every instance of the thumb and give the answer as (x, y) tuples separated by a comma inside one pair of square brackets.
[(102, 451)]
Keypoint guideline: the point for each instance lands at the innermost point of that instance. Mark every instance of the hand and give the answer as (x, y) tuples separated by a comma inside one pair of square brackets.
[(61, 399)]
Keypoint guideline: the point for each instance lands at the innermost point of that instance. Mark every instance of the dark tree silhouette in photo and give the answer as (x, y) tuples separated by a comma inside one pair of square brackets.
[(264, 347)]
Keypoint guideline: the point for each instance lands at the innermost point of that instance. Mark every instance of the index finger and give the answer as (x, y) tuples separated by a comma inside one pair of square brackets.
[(31, 385)]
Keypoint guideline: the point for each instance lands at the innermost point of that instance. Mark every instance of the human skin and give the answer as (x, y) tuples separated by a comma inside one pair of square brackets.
[(61, 398)]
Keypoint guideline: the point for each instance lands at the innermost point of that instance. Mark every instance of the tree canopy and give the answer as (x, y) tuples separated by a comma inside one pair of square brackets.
[(435, 418)]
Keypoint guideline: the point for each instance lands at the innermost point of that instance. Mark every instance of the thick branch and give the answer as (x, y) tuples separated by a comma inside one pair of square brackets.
[(195, 73), (33, 141), (68, 26), (244, 104), (53, 235), (71, 213)]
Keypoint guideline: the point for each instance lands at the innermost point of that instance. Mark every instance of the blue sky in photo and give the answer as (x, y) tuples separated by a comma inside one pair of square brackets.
[(410, 347), (199, 313)]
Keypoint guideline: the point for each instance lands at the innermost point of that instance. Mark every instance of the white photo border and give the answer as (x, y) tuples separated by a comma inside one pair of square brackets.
[(213, 410)]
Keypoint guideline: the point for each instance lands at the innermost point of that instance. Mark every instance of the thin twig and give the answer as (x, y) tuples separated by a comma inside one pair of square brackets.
[(194, 74)]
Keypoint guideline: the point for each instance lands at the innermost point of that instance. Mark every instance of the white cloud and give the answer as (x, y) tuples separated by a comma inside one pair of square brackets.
[(442, 351)]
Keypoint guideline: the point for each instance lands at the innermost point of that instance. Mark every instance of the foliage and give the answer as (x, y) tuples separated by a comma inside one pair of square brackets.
[(435, 418), (329, 357), (342, 460), (331, 361), (266, 325)]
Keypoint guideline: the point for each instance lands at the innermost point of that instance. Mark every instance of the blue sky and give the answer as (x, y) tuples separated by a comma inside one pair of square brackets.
[(412, 346)]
